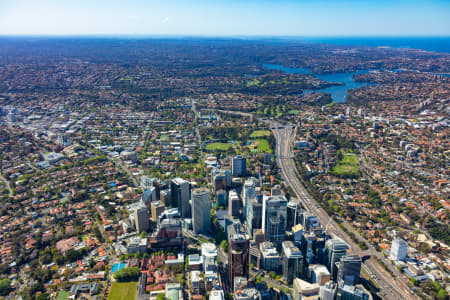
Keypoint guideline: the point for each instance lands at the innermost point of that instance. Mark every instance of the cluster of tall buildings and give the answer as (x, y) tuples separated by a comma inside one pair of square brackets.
[(263, 229), (268, 232)]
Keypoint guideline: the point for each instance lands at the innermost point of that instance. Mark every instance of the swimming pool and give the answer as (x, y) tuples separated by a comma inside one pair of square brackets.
[(118, 266)]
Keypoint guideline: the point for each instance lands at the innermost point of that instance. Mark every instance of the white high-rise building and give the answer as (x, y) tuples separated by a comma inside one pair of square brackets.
[(248, 193), (201, 210), (274, 218), (399, 249), (209, 257)]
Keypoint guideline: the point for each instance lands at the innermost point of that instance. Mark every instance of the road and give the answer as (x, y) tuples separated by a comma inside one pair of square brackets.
[(197, 132), (285, 136)]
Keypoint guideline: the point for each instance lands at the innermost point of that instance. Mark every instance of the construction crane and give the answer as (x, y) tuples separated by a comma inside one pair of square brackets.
[(239, 288)]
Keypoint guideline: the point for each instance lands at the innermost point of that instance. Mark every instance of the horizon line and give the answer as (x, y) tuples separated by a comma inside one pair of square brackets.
[(257, 36)]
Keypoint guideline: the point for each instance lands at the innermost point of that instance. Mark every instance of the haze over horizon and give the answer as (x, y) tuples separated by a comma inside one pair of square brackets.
[(226, 18)]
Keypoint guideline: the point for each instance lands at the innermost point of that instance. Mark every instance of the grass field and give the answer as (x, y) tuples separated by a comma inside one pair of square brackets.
[(347, 166), (261, 146), (293, 112), (260, 133), (253, 82), (123, 291), (219, 146), (63, 295), (349, 159)]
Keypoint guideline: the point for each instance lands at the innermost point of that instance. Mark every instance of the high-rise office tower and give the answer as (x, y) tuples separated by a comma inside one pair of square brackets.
[(254, 216), (328, 291), (318, 274), (166, 197), (310, 221), (221, 198), (238, 252), (209, 257), (349, 269), (234, 204), (227, 177), (157, 209), (334, 250), (292, 261), (349, 292), (270, 258), (201, 210), (141, 219), (219, 182), (274, 218), (292, 215), (238, 166), (248, 194), (180, 196)]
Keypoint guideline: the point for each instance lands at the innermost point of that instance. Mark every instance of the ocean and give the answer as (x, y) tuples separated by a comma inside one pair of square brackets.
[(436, 44)]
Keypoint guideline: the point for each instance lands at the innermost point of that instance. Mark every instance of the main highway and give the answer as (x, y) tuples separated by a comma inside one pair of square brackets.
[(390, 288)]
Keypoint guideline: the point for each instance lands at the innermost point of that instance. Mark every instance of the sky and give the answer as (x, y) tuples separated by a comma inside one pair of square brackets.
[(226, 17)]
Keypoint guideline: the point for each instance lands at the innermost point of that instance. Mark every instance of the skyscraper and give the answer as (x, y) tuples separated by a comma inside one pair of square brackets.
[(234, 204), (221, 198), (328, 291), (141, 218), (291, 219), (166, 197), (238, 166), (274, 218), (335, 249), (254, 215), (248, 194), (238, 252), (157, 209), (201, 210), (399, 249), (180, 196), (209, 257), (292, 261), (270, 258), (219, 181), (348, 292), (349, 269)]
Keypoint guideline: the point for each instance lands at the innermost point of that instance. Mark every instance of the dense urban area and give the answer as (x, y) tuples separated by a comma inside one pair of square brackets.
[(222, 169)]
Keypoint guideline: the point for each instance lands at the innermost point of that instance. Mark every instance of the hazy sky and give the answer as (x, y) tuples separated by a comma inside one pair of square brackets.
[(231, 17)]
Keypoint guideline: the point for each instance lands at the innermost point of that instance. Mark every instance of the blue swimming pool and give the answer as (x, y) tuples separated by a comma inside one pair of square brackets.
[(117, 267)]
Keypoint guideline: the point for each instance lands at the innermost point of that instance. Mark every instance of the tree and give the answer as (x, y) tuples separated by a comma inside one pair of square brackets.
[(272, 274), (43, 296), (224, 245), (442, 294), (414, 281), (160, 297), (5, 286), (127, 274)]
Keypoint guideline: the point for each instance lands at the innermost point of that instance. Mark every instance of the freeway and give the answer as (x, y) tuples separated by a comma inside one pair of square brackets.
[(285, 136)]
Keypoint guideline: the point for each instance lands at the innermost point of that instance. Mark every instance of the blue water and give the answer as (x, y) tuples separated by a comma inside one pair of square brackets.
[(117, 267), (437, 44), (338, 92)]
